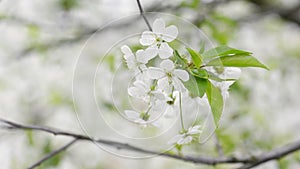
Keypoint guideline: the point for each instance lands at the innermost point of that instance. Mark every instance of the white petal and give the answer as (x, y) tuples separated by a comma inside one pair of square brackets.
[(194, 130), (131, 64), (155, 73), (170, 34), (170, 112), (164, 85), (175, 139), (181, 74), (158, 94), (167, 65), (186, 140), (159, 26), (132, 115), (147, 39), (151, 52), (178, 84), (232, 73), (180, 141), (126, 50), (141, 84), (165, 51), (136, 92), (141, 57)]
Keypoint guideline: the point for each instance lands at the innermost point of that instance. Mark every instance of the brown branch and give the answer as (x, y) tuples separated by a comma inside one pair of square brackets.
[(143, 14), (248, 161), (274, 154), (125, 146), (87, 32), (291, 14), (52, 154)]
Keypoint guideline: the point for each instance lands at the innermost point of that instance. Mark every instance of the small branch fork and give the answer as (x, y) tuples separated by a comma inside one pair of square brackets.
[(143, 14), (247, 162)]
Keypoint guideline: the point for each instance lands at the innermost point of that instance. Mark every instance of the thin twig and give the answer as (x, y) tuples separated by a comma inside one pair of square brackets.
[(248, 161), (125, 146), (51, 154), (273, 155), (143, 14)]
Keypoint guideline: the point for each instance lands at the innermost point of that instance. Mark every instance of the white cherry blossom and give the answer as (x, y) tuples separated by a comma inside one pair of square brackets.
[(137, 61), (168, 76), (142, 118), (158, 38), (145, 91), (186, 137)]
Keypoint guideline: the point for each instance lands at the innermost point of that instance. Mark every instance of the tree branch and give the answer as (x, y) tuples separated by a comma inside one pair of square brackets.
[(248, 162), (274, 154), (125, 146), (291, 15), (51, 154), (143, 14)]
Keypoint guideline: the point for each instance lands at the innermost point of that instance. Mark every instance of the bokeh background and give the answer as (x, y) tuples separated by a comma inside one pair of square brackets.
[(41, 41)]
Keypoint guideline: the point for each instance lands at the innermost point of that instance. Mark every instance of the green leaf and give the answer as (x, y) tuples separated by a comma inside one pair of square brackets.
[(215, 100), (196, 86), (214, 77), (179, 59), (223, 51), (237, 61), (196, 57), (202, 47), (201, 73)]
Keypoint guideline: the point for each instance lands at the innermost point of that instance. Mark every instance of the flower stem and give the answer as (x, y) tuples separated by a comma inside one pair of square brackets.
[(180, 110)]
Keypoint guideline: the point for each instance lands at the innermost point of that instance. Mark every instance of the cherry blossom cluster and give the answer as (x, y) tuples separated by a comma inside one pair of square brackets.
[(159, 87)]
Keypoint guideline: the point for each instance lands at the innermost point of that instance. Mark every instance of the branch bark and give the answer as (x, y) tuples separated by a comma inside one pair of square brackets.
[(248, 162), (143, 14), (52, 154)]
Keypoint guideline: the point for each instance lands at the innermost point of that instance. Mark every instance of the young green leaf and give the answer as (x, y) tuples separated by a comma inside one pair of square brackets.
[(202, 47), (214, 77), (215, 100), (237, 61), (179, 59), (196, 86), (201, 73), (196, 57), (223, 51)]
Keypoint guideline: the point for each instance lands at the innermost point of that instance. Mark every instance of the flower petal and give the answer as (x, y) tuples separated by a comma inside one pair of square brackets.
[(194, 130), (147, 38), (167, 65), (175, 139), (155, 73), (151, 52), (165, 51), (178, 85), (158, 94), (186, 140), (132, 115), (136, 92), (170, 112), (141, 57), (141, 84), (181, 74), (159, 26), (126, 50), (170, 34)]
